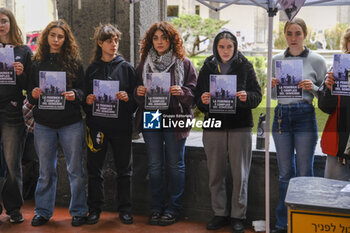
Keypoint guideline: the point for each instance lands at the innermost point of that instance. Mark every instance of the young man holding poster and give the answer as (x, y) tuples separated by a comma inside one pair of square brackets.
[(223, 74)]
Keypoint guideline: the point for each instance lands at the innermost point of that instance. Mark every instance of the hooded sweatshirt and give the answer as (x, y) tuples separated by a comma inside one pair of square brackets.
[(71, 112), (126, 76), (246, 81), (11, 97)]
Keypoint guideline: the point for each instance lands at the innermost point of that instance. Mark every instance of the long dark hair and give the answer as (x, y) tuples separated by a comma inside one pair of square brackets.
[(69, 57)]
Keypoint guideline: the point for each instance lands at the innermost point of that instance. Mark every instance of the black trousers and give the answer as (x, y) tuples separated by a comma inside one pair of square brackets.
[(122, 155)]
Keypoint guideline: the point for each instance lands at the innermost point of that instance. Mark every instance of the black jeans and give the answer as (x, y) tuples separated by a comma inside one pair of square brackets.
[(121, 148), (12, 136)]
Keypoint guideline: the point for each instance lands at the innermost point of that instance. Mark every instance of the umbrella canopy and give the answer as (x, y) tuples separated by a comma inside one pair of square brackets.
[(266, 4)]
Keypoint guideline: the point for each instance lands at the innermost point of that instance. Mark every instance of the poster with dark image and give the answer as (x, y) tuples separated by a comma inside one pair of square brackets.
[(157, 93), (223, 90), (7, 71), (106, 103), (341, 67), (289, 73), (291, 7), (52, 84)]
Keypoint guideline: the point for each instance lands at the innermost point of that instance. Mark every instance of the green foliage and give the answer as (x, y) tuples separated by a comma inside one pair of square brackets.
[(194, 26), (259, 64), (334, 36), (279, 39), (198, 61)]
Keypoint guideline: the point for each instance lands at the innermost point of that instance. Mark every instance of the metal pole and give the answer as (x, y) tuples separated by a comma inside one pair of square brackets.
[(272, 13)]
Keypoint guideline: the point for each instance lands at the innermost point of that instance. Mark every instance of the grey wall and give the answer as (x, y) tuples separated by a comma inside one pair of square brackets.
[(132, 20)]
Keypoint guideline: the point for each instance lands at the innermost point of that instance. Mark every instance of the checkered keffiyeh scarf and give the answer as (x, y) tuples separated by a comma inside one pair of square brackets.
[(28, 115)]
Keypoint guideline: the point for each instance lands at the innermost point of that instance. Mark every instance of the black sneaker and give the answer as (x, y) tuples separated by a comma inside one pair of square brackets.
[(126, 218), (16, 217), (167, 219), (237, 226), (78, 221), (93, 217), (154, 218), (38, 220), (217, 222)]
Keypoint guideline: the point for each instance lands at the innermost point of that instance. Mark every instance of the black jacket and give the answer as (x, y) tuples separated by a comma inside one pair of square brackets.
[(71, 113), (11, 96), (246, 81), (328, 103), (126, 76)]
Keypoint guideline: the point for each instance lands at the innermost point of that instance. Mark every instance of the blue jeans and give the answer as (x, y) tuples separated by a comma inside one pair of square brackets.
[(164, 150), (12, 135), (46, 144), (295, 140)]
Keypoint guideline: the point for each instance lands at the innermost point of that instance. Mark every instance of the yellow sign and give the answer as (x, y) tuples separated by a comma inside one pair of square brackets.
[(301, 221)]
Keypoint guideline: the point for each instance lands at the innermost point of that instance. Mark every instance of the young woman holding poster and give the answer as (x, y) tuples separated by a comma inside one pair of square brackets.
[(58, 53), (11, 117), (338, 164), (294, 128), (234, 137), (162, 51), (109, 67)]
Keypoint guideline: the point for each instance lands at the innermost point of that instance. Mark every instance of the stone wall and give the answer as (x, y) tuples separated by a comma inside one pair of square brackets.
[(132, 20)]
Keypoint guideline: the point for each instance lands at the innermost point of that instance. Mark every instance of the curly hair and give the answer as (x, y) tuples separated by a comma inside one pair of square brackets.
[(172, 35), (68, 57), (346, 38), (15, 32), (102, 33)]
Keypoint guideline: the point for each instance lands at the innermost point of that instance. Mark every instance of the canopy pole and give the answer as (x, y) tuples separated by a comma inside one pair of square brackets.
[(271, 13)]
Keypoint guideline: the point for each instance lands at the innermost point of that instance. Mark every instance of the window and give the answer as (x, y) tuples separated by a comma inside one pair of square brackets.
[(173, 11), (198, 10)]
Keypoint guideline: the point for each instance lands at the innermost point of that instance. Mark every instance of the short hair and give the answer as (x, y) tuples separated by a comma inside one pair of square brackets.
[(299, 22), (102, 33), (346, 38)]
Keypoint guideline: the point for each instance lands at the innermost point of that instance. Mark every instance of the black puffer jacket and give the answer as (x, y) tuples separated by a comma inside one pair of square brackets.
[(126, 76), (71, 113), (246, 81)]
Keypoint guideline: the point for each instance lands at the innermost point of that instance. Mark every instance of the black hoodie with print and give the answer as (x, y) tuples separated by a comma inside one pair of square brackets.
[(126, 76), (246, 81), (71, 113)]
